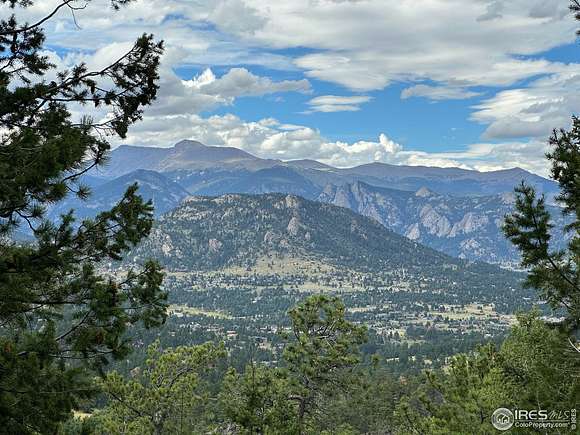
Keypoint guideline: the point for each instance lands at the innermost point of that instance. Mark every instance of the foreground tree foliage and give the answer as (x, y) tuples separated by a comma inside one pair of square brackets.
[(323, 353), (319, 362), (60, 317), (163, 396), (257, 401), (535, 368), (368, 405)]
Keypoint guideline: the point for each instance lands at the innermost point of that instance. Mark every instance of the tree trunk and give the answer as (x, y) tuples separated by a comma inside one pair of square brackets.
[(301, 412)]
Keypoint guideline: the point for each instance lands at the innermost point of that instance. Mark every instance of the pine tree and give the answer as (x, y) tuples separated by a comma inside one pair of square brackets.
[(555, 273), (322, 353), (256, 401), (162, 396), (533, 369), (325, 349), (59, 316)]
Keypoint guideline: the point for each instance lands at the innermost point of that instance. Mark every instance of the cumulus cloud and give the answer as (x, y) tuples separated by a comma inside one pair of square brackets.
[(268, 138), (241, 82), (236, 16), (334, 103), (206, 92)]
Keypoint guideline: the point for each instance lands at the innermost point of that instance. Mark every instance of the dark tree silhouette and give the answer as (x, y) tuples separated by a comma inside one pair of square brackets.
[(59, 316)]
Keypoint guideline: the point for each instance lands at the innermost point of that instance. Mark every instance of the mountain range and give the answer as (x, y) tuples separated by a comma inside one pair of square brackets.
[(226, 168), (456, 211)]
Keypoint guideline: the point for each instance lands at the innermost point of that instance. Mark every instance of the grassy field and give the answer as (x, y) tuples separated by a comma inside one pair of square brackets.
[(474, 311), (192, 311)]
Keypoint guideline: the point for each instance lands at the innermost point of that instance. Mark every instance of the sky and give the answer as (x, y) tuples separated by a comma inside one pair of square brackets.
[(477, 84)]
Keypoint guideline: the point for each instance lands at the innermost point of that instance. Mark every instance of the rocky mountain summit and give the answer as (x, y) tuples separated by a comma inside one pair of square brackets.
[(238, 229)]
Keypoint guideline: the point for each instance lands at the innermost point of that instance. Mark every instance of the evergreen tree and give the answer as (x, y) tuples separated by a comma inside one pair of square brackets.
[(320, 358), (534, 369), (163, 395), (369, 403), (324, 351), (555, 273), (59, 316), (257, 400)]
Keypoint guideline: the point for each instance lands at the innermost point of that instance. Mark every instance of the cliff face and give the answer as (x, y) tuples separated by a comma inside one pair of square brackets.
[(465, 227), (211, 233)]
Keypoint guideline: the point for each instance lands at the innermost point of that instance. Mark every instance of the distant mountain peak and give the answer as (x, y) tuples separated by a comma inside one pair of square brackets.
[(309, 164), (196, 150), (186, 143), (514, 170)]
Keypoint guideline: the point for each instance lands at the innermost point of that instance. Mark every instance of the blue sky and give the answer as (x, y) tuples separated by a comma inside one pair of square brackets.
[(414, 122), (469, 83), (418, 123)]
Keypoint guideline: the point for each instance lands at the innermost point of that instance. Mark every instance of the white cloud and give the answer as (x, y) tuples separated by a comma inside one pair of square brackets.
[(368, 44), (362, 45), (335, 103), (239, 82), (534, 111), (184, 25), (206, 92), (235, 16), (486, 157), (268, 138), (438, 92)]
